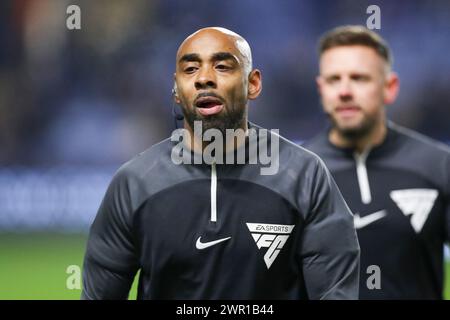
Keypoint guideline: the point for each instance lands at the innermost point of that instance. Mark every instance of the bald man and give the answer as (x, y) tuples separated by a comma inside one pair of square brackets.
[(200, 228)]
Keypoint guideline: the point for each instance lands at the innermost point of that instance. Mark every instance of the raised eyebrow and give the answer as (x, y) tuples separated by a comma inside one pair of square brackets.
[(190, 57), (220, 56)]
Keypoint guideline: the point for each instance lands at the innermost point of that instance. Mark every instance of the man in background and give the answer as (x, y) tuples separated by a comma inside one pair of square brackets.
[(396, 181)]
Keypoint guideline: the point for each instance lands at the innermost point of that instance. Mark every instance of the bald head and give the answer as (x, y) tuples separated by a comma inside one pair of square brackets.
[(214, 79), (234, 41)]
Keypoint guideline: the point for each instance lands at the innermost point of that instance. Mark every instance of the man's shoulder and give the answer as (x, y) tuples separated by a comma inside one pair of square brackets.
[(288, 147), (420, 155), (143, 175), (147, 160), (318, 143), (418, 143), (297, 155)]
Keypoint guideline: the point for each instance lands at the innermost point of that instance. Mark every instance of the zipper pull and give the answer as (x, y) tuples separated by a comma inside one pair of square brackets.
[(363, 178)]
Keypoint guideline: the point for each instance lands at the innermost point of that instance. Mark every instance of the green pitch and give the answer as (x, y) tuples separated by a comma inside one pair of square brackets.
[(34, 266)]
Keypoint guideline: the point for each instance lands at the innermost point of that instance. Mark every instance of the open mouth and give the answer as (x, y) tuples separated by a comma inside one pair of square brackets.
[(208, 105)]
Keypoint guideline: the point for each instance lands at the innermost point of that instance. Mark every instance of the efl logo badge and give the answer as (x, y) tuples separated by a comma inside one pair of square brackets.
[(272, 236), (417, 203)]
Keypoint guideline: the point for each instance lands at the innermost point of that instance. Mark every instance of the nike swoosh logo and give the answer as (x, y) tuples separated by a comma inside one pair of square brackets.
[(361, 222), (203, 245)]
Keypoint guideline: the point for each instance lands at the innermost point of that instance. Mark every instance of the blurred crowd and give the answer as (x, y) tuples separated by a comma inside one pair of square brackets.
[(99, 95)]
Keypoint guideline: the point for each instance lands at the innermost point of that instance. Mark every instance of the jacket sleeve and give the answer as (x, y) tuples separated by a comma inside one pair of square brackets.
[(110, 261), (330, 249), (447, 199)]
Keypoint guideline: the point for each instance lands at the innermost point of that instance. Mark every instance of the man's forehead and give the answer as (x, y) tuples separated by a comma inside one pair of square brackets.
[(207, 43), (346, 58)]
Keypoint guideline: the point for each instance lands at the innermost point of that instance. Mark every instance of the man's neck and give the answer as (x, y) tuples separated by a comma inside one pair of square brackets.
[(362, 143)]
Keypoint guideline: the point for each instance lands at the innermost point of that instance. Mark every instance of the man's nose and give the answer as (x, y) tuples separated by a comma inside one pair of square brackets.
[(206, 79), (345, 91)]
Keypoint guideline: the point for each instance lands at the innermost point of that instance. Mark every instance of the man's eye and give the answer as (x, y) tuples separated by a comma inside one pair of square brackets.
[(190, 69), (223, 67), (332, 79), (361, 78)]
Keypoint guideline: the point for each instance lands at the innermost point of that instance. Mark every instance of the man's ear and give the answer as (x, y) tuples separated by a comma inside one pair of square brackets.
[(391, 88), (254, 84), (176, 99), (175, 96), (319, 83)]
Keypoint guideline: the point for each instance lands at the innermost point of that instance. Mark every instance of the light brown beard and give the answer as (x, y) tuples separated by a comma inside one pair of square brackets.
[(364, 129)]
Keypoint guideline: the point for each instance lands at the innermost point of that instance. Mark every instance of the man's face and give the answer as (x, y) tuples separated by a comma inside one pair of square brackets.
[(353, 85), (212, 81)]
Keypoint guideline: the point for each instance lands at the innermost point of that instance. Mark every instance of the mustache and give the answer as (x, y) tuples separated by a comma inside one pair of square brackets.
[(208, 94)]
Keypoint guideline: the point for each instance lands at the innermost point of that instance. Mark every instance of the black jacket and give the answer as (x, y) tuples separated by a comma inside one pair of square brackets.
[(399, 193), (223, 231)]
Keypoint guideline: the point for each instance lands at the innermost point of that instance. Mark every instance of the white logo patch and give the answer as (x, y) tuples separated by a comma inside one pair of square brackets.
[(272, 236), (415, 202), (203, 245), (361, 222)]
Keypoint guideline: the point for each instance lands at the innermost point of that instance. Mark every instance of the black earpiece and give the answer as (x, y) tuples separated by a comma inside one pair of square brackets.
[(176, 115)]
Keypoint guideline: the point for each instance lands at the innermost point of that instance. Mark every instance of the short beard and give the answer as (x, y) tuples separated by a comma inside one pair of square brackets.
[(234, 119), (356, 133)]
